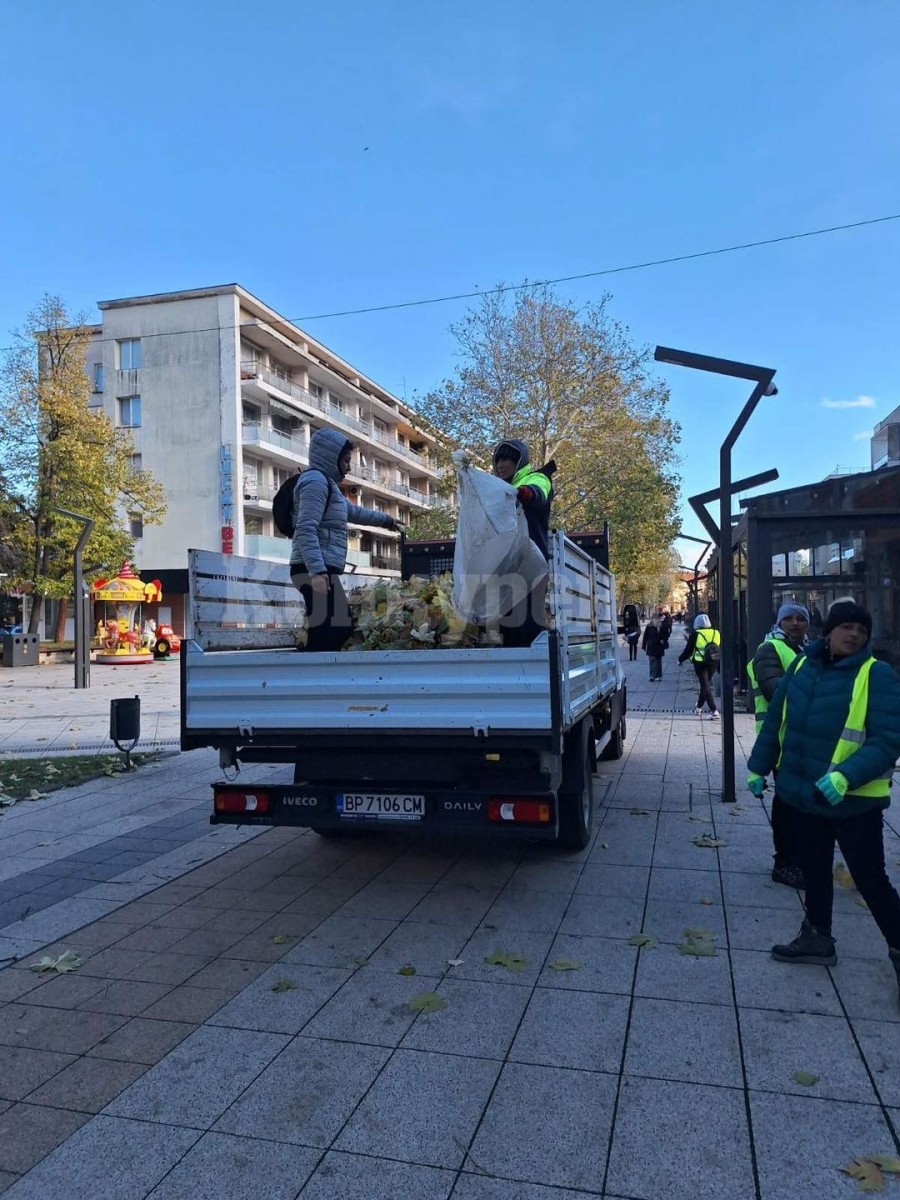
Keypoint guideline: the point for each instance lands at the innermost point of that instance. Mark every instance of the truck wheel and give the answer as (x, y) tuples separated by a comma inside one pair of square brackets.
[(576, 794), (615, 747), (161, 649)]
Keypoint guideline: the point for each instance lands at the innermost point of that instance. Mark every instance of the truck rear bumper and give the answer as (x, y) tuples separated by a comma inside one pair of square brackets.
[(429, 811)]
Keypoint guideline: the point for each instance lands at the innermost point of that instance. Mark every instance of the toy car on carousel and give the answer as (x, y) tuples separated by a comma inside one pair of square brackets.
[(167, 642)]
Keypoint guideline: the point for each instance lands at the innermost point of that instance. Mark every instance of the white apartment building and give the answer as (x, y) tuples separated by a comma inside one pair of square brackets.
[(221, 395)]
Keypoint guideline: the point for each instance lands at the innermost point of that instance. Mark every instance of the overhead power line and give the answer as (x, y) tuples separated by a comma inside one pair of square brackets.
[(518, 287), (641, 266)]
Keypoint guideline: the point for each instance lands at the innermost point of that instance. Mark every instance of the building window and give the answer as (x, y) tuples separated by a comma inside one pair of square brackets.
[(129, 411), (136, 525), (250, 415), (315, 389), (136, 462), (129, 354), (253, 526), (97, 382)]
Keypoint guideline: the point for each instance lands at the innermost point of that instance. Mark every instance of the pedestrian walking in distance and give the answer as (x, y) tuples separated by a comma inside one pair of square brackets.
[(632, 637), (773, 656), (702, 649), (652, 645), (833, 732)]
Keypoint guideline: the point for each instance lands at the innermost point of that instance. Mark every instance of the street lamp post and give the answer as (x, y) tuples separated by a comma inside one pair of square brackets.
[(82, 639), (762, 378)]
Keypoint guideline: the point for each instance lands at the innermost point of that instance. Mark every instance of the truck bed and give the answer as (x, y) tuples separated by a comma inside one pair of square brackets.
[(267, 690)]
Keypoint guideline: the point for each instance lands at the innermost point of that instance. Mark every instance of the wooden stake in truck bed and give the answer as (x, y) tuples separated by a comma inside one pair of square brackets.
[(489, 740)]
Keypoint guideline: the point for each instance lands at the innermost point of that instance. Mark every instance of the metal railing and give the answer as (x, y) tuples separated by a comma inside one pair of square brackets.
[(258, 545), (385, 562), (255, 492), (253, 370), (257, 432)]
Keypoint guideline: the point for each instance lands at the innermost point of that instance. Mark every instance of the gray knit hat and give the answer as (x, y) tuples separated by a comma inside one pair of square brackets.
[(790, 609)]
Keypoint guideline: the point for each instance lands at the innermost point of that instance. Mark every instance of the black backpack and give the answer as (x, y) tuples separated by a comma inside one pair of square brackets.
[(711, 657), (283, 503)]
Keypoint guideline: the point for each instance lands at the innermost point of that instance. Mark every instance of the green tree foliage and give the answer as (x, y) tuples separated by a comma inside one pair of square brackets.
[(574, 387), (55, 453)]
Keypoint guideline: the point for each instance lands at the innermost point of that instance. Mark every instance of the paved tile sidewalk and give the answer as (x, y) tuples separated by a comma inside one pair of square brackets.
[(243, 1028), (41, 711)]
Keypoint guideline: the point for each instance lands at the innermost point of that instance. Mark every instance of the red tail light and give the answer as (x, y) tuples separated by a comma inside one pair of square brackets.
[(238, 802), (534, 812)]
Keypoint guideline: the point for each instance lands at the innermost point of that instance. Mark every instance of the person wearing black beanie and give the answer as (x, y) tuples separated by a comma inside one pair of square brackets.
[(847, 612), (833, 731)]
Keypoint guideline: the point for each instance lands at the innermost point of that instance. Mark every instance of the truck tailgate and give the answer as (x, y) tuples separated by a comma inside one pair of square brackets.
[(232, 692)]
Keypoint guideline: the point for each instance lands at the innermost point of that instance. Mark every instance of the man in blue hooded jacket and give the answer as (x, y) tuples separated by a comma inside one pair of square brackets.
[(833, 731), (319, 546)]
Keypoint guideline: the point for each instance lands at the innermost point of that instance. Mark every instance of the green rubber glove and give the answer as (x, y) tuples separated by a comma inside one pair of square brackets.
[(756, 784), (833, 786)]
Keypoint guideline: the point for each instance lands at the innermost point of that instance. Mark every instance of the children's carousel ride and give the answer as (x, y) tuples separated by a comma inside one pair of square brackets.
[(123, 636)]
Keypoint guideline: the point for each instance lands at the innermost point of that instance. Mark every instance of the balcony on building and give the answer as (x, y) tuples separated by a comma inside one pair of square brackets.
[(261, 383), (260, 545), (885, 442), (286, 448), (258, 496)]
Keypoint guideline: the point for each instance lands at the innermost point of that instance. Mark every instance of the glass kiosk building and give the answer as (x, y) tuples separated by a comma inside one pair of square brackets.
[(815, 544)]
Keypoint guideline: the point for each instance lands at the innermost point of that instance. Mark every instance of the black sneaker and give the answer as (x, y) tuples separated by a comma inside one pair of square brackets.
[(809, 946), (789, 876)]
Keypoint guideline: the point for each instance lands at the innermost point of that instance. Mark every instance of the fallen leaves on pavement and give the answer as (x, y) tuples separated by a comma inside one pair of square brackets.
[(408, 969), (706, 842), (842, 877), (565, 964), (67, 961), (869, 1172), (643, 939), (805, 1078), (283, 985), (698, 943), (428, 1002), (513, 961)]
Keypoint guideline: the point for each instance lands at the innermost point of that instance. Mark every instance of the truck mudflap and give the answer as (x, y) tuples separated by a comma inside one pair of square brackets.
[(329, 808)]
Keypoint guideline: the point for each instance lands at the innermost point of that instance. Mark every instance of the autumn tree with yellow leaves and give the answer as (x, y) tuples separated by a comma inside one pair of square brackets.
[(55, 453), (572, 385)]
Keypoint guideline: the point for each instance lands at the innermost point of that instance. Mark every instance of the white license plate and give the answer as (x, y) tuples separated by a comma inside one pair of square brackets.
[(394, 807)]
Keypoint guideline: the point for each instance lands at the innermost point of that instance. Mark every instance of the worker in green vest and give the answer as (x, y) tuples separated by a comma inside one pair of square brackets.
[(833, 732), (772, 658), (534, 492)]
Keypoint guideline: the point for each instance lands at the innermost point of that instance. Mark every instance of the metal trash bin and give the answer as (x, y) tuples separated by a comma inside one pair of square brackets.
[(20, 649)]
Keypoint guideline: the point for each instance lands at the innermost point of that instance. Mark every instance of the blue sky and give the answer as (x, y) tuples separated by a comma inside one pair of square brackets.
[(333, 157)]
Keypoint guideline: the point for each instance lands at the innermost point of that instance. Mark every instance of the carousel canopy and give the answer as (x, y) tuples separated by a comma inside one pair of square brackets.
[(127, 586)]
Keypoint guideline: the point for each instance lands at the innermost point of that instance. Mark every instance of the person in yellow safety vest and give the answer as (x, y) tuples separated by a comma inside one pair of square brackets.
[(833, 732), (702, 636), (534, 491), (772, 658)]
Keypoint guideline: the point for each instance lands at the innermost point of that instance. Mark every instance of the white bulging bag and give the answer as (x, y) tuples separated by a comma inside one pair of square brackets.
[(495, 562)]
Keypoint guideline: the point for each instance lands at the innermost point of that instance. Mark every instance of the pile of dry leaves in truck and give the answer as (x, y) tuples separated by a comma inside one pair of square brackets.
[(411, 614)]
